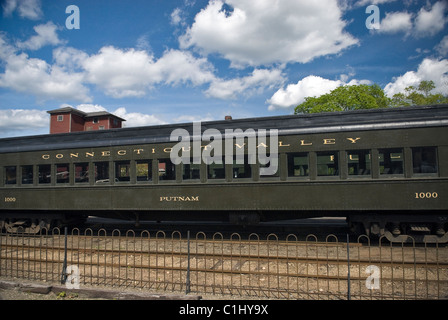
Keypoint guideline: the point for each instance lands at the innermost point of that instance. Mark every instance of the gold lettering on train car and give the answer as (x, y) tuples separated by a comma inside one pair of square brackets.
[(138, 151), (105, 153), (330, 141), (45, 156), (90, 154), (262, 145), (179, 199), (236, 144), (353, 140), (74, 155), (59, 156), (121, 152), (167, 150), (280, 144), (303, 143)]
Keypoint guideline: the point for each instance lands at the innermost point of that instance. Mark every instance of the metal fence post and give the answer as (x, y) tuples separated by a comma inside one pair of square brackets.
[(64, 265), (348, 267), (187, 289)]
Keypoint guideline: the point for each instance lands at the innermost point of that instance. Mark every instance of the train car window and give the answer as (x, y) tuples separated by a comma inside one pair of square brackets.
[(44, 173), (424, 160), (359, 163), (62, 173), (102, 172), (391, 161), (327, 163), (215, 170), (27, 174), (82, 172), (298, 164), (241, 170), (123, 171), (144, 170), (192, 170), (11, 175), (167, 170)]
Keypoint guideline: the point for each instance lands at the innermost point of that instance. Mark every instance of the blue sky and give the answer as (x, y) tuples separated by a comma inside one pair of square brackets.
[(162, 61)]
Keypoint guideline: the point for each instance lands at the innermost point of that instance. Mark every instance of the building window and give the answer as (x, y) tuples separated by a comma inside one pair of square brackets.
[(101, 172), (123, 171), (424, 160), (11, 175), (167, 170), (327, 163), (44, 173), (95, 120), (101, 127), (27, 174), (359, 163), (298, 165), (144, 170), (82, 172), (62, 173), (391, 161), (60, 118)]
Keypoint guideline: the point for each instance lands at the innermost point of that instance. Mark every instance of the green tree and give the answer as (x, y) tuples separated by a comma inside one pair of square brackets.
[(418, 96), (363, 96), (346, 98)]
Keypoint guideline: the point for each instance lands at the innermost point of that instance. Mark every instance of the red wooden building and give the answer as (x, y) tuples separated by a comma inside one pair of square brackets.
[(68, 119)]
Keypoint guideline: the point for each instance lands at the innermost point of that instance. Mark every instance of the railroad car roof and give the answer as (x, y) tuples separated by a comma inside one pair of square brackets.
[(359, 120)]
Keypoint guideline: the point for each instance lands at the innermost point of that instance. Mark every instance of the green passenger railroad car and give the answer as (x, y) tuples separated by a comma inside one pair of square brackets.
[(385, 170)]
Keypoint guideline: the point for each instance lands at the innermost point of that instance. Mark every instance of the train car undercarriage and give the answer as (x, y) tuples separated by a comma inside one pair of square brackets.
[(426, 227)]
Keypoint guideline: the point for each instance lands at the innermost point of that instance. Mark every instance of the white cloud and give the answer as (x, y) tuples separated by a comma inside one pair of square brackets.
[(429, 69), (37, 77), (131, 73), (14, 122), (182, 67), (29, 9), (177, 17), (295, 94), (46, 34), (137, 119), (69, 59), (248, 32), (259, 80), (310, 86), (429, 22), (442, 47), (396, 22), (362, 3), (121, 73)]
